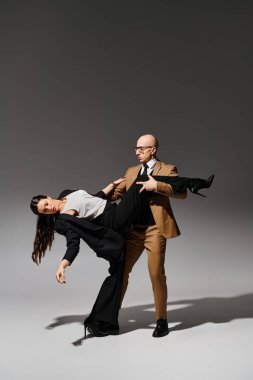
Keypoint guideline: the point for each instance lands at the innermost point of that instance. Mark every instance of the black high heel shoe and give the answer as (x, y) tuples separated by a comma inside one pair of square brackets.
[(181, 184), (198, 183), (94, 329)]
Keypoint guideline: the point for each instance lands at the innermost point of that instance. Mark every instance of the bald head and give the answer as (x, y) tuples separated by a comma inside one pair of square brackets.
[(149, 140), (146, 148)]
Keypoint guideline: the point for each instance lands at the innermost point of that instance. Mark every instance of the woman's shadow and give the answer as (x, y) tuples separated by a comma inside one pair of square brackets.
[(191, 313)]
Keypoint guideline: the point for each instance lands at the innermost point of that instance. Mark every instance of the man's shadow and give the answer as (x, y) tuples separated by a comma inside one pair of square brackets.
[(192, 313)]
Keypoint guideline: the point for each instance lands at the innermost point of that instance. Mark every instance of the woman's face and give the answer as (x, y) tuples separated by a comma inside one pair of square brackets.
[(48, 206)]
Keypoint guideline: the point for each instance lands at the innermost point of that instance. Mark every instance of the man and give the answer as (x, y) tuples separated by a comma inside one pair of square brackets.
[(151, 228)]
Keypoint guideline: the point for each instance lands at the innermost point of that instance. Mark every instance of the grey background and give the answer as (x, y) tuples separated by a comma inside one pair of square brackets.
[(80, 82)]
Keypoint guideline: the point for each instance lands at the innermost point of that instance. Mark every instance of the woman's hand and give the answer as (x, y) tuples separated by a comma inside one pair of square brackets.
[(118, 181), (60, 274), (112, 185), (150, 185)]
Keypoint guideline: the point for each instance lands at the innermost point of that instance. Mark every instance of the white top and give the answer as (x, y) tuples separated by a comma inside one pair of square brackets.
[(151, 165), (85, 204)]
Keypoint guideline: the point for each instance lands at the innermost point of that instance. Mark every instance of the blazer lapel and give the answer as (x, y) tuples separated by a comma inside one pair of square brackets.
[(132, 175), (136, 170), (157, 168), (64, 193)]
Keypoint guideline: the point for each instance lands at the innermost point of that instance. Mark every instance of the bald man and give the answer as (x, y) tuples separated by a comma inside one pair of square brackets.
[(153, 225)]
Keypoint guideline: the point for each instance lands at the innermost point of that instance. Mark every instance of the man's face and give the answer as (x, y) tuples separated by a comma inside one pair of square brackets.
[(145, 149)]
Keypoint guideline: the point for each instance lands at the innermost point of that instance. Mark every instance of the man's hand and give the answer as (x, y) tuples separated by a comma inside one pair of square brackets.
[(60, 274), (150, 185)]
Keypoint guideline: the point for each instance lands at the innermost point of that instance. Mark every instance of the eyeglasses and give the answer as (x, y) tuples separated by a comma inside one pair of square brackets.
[(142, 148)]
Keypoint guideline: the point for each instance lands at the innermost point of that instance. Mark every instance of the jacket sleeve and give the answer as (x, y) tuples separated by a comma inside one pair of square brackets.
[(166, 189), (73, 246), (100, 194), (73, 240)]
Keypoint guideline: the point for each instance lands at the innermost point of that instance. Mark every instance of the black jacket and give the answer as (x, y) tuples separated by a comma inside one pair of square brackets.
[(106, 243)]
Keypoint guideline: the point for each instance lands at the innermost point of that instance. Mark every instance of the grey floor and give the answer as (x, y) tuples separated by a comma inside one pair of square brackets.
[(210, 309)]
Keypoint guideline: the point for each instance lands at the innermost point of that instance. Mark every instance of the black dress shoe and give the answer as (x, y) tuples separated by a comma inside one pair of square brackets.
[(161, 329)]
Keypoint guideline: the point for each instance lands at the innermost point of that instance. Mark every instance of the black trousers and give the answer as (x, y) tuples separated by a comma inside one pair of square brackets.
[(119, 218), (106, 307)]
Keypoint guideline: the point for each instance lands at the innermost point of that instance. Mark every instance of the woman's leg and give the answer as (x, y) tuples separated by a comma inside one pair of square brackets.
[(121, 217), (181, 184), (104, 314)]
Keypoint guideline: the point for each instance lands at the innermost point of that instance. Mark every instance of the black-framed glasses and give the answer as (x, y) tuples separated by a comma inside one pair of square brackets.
[(142, 148)]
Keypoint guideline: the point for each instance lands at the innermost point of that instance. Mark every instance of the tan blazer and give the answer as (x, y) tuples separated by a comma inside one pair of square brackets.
[(159, 203)]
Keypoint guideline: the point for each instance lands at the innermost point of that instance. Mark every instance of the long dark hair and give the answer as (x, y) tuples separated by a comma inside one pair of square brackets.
[(44, 235)]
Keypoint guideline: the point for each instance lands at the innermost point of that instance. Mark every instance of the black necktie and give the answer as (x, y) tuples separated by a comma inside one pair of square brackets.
[(145, 171)]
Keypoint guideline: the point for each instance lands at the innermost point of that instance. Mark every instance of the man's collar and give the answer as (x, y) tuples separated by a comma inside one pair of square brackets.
[(151, 163)]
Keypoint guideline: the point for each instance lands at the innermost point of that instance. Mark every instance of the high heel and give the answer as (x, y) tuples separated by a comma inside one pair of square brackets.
[(94, 329), (181, 184), (198, 183)]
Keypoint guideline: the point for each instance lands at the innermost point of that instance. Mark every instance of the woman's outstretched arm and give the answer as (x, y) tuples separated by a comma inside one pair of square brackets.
[(60, 274), (109, 188), (73, 243)]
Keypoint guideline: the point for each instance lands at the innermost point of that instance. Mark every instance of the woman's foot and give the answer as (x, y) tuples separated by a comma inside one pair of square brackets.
[(94, 329), (198, 183), (100, 329)]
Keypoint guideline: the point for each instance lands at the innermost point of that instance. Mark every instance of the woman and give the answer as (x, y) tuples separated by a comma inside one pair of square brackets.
[(78, 214)]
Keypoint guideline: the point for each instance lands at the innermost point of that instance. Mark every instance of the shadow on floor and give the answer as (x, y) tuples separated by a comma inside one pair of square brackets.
[(187, 314)]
